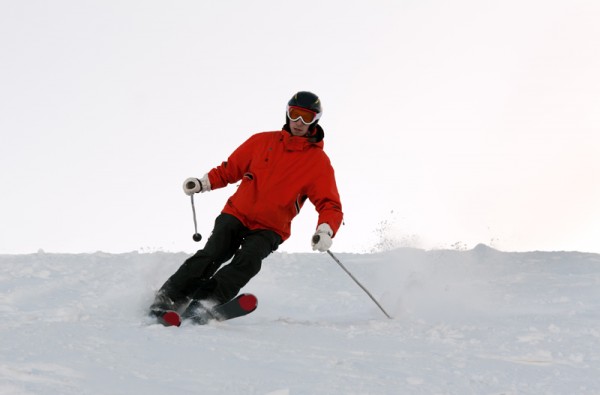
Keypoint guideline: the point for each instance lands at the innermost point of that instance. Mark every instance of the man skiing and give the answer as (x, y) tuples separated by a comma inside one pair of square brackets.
[(278, 171)]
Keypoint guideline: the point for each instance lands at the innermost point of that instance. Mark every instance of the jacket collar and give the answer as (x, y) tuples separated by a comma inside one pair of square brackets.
[(317, 134), (297, 143)]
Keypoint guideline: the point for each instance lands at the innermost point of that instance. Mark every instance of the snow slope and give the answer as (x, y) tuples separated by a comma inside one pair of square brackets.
[(466, 322)]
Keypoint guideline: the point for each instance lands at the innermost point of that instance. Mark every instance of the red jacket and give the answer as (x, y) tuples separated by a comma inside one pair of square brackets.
[(279, 172)]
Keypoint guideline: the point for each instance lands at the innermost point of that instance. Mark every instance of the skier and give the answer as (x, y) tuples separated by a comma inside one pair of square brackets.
[(278, 170)]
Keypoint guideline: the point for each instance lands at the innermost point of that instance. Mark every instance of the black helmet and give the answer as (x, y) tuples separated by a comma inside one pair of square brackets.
[(307, 100)]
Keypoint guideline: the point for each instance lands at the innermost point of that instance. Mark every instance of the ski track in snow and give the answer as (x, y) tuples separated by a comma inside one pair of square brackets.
[(466, 322)]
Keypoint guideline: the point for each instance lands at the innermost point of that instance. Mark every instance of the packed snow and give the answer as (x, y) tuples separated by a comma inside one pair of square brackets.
[(477, 321)]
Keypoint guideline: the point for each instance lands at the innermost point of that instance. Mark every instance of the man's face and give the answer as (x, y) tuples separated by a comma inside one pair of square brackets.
[(298, 128)]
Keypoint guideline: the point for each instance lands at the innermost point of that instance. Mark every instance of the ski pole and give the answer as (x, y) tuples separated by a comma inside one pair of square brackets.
[(197, 236), (316, 240)]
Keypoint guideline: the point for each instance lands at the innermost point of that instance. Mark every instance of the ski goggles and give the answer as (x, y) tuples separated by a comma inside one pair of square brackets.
[(307, 117)]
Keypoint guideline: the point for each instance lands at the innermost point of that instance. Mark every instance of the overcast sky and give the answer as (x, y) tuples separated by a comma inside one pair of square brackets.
[(448, 123)]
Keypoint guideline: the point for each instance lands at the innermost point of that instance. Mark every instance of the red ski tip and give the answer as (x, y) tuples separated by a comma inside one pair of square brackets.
[(248, 302), (171, 318)]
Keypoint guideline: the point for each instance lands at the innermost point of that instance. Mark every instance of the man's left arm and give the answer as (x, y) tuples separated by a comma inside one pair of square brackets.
[(326, 200)]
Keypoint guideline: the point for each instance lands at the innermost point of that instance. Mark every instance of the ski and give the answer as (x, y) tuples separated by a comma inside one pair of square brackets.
[(240, 306), (169, 318), (166, 317)]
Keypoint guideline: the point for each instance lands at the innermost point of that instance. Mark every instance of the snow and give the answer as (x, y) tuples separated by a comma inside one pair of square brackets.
[(478, 321)]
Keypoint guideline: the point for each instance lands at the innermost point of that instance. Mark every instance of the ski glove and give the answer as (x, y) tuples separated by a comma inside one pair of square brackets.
[(194, 185), (321, 240)]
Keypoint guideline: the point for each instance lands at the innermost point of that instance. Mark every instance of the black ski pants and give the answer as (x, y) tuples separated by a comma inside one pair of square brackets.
[(198, 277)]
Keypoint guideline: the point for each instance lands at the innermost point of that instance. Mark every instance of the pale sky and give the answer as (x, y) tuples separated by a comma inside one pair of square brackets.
[(448, 123)]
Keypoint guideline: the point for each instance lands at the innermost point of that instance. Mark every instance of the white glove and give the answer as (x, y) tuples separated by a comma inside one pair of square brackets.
[(194, 185), (321, 240)]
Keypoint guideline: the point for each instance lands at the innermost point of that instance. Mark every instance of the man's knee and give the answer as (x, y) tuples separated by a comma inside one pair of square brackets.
[(248, 261), (262, 243)]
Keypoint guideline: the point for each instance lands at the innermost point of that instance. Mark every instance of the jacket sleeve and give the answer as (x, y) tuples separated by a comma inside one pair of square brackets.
[(232, 170), (326, 198)]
